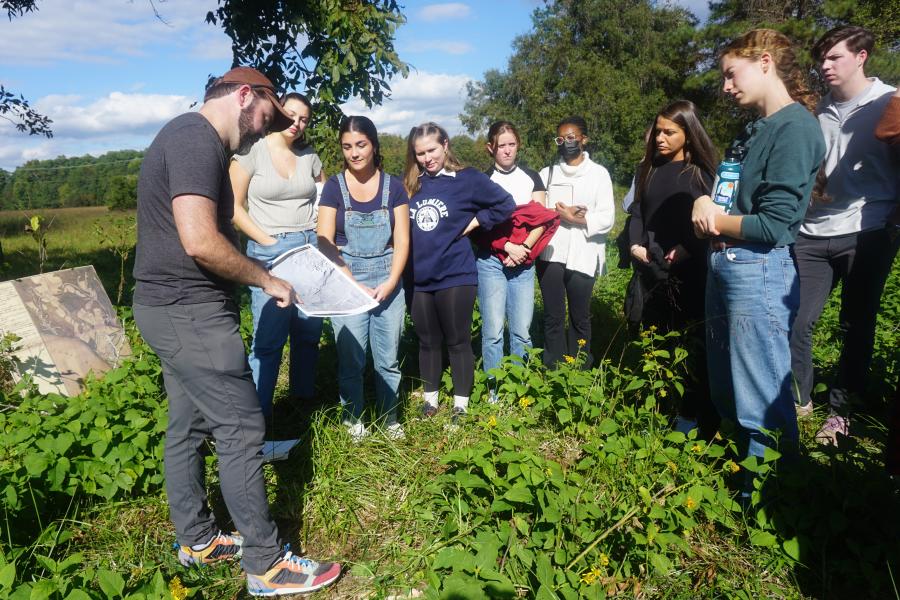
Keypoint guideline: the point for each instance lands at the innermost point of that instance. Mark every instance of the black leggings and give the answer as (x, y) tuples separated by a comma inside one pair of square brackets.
[(559, 284), (445, 316)]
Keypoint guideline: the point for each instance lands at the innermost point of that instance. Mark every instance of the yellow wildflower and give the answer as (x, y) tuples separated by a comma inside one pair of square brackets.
[(690, 503), (492, 421), (732, 466), (525, 401), (696, 449), (672, 466), (663, 393), (177, 589), (581, 343), (653, 328), (594, 574), (604, 560), (569, 359)]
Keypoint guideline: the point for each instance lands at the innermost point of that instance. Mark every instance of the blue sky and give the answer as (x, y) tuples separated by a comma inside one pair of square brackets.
[(110, 74)]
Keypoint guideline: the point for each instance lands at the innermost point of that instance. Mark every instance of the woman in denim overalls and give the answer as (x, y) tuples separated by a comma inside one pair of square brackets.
[(277, 181), (370, 240)]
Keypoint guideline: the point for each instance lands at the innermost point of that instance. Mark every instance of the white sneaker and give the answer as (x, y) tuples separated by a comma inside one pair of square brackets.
[(395, 431), (357, 431), (493, 397)]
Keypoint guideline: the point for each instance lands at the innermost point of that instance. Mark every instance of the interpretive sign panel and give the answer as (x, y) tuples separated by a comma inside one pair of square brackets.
[(67, 327)]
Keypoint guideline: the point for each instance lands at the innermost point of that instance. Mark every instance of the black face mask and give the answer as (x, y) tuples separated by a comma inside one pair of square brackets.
[(569, 150)]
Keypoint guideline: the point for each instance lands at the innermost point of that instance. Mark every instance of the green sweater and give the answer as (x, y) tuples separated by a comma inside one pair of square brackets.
[(783, 154)]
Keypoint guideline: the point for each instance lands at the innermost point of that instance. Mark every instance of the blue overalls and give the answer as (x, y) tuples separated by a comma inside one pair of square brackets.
[(368, 255)]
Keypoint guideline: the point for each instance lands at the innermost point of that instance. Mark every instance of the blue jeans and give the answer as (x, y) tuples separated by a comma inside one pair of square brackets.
[(752, 294), (504, 294), (273, 325), (381, 328)]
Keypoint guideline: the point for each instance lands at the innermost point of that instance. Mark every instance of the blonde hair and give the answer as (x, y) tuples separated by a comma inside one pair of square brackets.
[(412, 171), (753, 44)]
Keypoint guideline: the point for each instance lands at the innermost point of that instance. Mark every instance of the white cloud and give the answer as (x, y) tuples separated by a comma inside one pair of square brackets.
[(101, 31), (448, 46), (114, 114), (419, 98), (117, 121), (448, 10)]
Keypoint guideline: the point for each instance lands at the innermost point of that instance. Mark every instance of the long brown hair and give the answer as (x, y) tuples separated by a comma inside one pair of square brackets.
[(412, 171), (700, 155), (755, 42)]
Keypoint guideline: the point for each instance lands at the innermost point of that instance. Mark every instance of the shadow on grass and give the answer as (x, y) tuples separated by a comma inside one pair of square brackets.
[(842, 511)]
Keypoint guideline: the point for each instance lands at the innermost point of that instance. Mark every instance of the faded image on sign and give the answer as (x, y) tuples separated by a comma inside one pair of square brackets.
[(68, 327)]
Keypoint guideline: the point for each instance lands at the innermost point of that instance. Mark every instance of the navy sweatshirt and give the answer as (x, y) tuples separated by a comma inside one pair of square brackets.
[(439, 212)]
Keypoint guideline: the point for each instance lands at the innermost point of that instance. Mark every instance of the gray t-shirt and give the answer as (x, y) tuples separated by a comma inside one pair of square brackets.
[(276, 204), (186, 157)]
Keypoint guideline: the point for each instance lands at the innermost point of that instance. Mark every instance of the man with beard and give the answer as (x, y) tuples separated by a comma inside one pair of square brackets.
[(186, 264)]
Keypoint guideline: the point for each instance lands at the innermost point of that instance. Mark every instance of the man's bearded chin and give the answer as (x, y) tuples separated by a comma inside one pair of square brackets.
[(246, 136)]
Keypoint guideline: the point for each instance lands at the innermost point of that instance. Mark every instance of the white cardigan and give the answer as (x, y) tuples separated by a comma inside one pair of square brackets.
[(580, 248)]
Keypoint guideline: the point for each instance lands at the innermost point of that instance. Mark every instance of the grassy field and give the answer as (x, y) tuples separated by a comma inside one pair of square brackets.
[(572, 487)]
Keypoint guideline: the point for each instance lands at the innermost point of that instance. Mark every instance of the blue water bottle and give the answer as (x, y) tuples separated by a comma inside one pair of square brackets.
[(728, 176)]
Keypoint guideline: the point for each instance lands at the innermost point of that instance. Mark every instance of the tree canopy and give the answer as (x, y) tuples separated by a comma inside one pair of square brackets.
[(616, 63)]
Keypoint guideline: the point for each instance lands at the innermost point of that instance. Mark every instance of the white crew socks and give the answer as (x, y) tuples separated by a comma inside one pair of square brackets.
[(461, 402), (431, 398)]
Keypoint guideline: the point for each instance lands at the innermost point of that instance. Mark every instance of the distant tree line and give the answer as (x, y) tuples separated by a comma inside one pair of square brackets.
[(110, 179)]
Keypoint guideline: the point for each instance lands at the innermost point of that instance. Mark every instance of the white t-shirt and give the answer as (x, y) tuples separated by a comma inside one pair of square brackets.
[(520, 182)]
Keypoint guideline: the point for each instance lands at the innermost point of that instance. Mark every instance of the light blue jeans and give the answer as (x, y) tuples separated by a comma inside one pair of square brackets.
[(752, 295), (273, 325), (504, 294), (379, 328)]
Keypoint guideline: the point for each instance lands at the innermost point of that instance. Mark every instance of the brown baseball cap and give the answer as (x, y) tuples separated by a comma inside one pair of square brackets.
[(259, 82)]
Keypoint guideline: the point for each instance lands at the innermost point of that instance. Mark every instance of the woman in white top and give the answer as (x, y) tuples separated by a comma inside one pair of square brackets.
[(276, 180), (581, 192)]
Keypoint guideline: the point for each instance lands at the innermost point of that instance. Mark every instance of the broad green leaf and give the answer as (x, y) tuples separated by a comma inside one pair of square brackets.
[(42, 590), (7, 576), (519, 493), (763, 538), (35, 463), (792, 547), (111, 583)]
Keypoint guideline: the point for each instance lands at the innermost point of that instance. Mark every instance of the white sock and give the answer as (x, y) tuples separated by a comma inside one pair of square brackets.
[(431, 398), (461, 402)]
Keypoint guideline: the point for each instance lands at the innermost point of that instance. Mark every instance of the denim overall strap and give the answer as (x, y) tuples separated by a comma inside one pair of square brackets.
[(368, 233), (386, 191), (345, 193)]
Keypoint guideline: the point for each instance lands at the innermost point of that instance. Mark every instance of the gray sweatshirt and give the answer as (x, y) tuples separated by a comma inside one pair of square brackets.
[(863, 173)]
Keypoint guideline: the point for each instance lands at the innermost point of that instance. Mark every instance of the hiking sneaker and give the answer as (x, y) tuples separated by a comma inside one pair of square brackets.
[(457, 414), (429, 410), (357, 431), (293, 575), (804, 410), (835, 425), (395, 431), (224, 546)]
